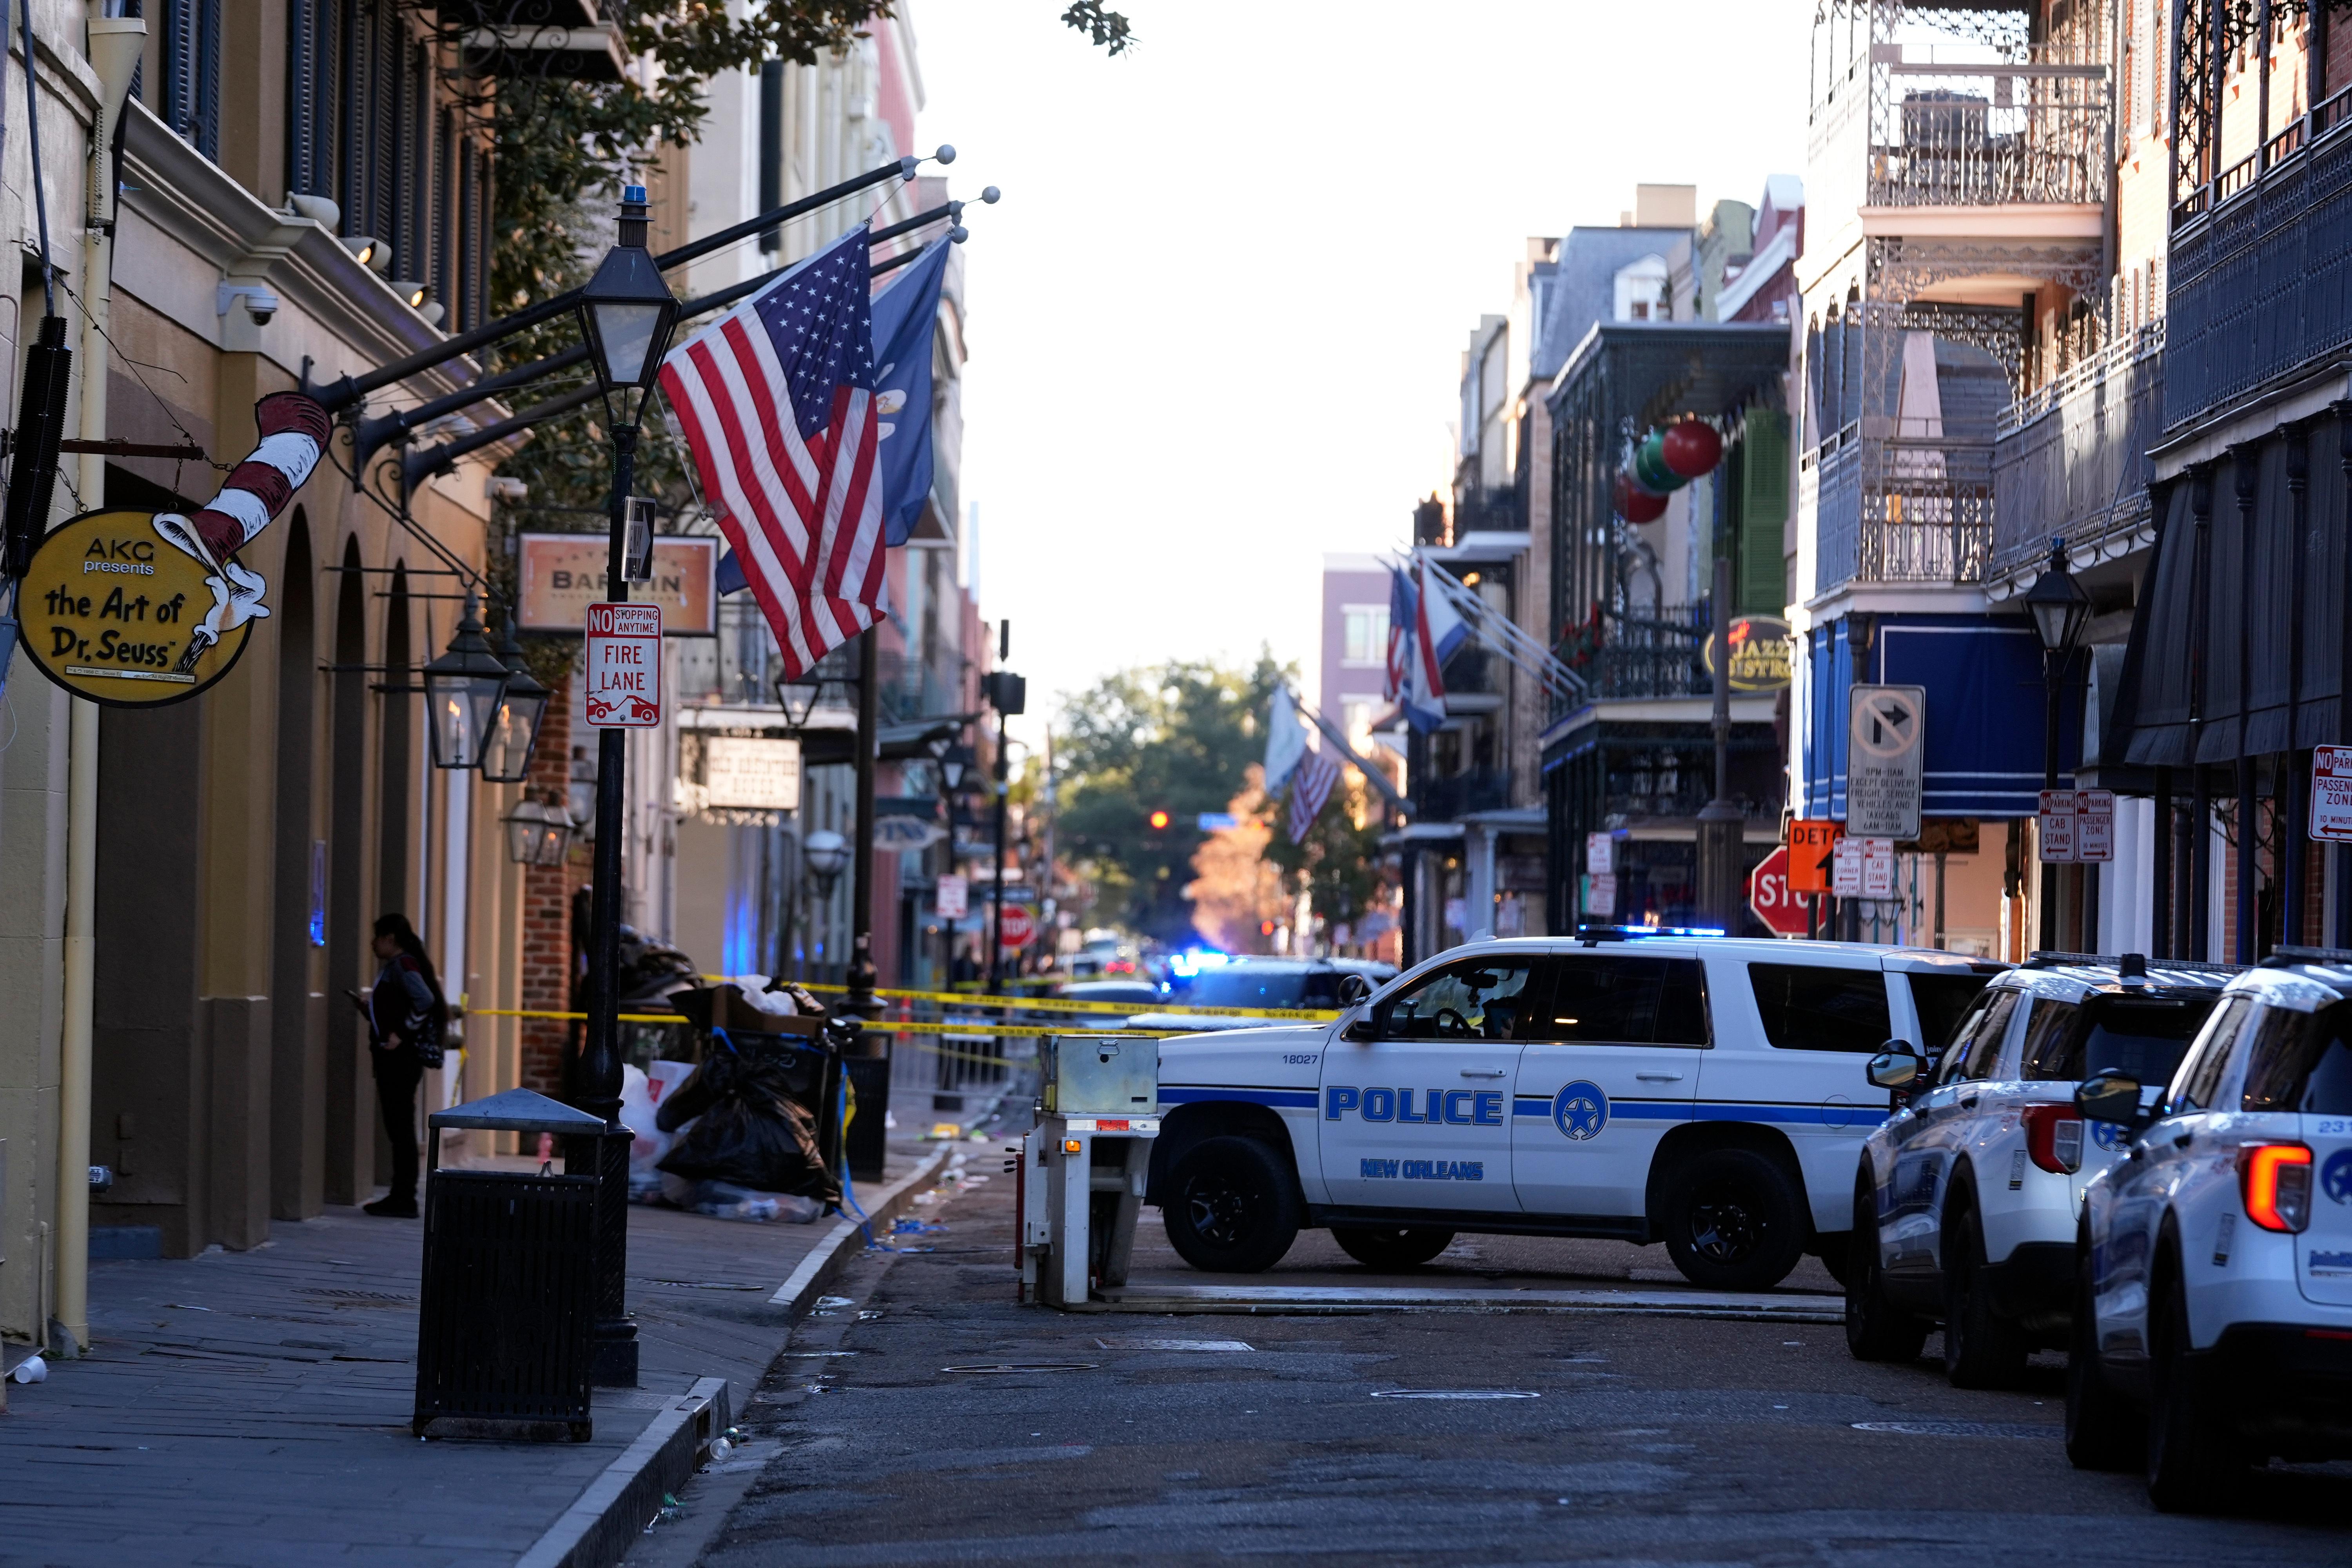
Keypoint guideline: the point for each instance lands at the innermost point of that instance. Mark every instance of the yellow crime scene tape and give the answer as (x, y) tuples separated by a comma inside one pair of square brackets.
[(878, 1027), (1065, 1005)]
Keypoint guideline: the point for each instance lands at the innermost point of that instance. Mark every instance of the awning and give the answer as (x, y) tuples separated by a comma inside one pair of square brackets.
[(2237, 647), (1984, 711)]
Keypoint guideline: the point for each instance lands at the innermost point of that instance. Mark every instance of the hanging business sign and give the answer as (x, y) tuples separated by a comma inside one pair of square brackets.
[(111, 611), (903, 833), (559, 575), (1885, 756), (751, 773), (1760, 653)]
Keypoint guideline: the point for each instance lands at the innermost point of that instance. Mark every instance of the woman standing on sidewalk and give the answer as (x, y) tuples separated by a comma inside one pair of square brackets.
[(405, 1015)]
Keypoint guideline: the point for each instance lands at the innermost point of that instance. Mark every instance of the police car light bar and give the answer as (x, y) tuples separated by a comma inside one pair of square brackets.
[(1592, 933)]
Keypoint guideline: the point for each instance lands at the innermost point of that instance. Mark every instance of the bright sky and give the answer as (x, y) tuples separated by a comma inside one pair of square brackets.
[(1216, 322)]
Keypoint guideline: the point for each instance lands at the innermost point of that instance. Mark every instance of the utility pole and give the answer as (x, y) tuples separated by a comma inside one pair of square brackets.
[(1720, 820)]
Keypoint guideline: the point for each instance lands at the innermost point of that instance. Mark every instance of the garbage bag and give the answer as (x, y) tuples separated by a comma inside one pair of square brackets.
[(750, 1127)]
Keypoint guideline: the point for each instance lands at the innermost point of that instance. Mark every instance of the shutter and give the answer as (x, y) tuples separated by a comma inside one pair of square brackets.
[(1763, 510), (208, 53)]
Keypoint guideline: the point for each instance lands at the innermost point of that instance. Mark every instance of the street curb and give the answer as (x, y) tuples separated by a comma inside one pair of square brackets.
[(827, 1258), (605, 1520)]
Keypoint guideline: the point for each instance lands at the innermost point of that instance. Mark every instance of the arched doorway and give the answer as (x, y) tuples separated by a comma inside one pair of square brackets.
[(298, 1109)]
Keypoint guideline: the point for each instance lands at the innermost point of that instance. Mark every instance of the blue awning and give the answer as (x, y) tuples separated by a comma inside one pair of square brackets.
[(1984, 711)]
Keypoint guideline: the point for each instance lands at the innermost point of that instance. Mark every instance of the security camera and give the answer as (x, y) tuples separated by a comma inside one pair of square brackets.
[(259, 303)]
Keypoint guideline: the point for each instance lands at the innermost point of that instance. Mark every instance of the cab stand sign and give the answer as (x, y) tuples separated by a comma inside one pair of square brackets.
[(111, 613)]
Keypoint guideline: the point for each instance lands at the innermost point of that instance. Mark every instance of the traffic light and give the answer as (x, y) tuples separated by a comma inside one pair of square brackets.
[(1159, 821)]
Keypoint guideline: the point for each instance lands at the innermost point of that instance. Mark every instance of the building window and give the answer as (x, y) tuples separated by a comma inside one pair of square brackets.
[(191, 85), (1367, 634)]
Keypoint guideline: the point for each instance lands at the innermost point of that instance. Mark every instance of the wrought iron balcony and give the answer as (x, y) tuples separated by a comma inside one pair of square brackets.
[(1898, 507), (1446, 799), (2260, 281), (2070, 459)]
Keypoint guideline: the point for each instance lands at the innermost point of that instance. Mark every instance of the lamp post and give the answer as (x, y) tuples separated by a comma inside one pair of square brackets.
[(1008, 694), (1721, 849), (625, 312), (2059, 607)]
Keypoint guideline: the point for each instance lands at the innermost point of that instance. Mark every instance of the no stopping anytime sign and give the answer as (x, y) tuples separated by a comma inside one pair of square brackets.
[(623, 666)]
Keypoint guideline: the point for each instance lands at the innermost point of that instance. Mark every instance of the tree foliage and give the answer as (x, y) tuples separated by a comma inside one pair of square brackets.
[(1338, 864), (1178, 738)]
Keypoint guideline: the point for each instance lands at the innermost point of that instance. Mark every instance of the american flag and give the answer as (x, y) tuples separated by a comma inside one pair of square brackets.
[(775, 400), (1310, 786)]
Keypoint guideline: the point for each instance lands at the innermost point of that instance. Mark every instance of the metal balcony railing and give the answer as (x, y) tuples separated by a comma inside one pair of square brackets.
[(1988, 135), (1656, 653), (2070, 459), (1901, 508), (2261, 269), (1481, 789)]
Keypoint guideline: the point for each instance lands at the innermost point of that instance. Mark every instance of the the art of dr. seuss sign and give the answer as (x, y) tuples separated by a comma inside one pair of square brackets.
[(138, 609)]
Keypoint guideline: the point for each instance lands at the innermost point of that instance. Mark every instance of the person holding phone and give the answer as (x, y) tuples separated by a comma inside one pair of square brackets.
[(405, 1013)]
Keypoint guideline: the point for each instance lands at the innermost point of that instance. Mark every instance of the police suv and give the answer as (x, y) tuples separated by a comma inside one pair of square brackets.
[(1965, 1201), (1623, 1083), (2213, 1319)]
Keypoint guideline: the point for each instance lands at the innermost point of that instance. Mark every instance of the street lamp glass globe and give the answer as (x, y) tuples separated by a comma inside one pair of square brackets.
[(2058, 604), (514, 729), (797, 695), (462, 689), (626, 312)]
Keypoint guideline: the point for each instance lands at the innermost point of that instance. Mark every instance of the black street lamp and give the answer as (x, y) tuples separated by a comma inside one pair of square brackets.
[(2060, 608), (462, 692), (626, 312), (514, 731), (797, 695), (953, 764)]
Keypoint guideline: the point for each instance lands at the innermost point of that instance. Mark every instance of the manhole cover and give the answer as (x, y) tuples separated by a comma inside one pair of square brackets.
[(1023, 1366), (1964, 1428), (1456, 1394)]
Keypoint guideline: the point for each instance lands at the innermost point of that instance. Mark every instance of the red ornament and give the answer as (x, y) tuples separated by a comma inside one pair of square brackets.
[(1635, 504), (1692, 448)]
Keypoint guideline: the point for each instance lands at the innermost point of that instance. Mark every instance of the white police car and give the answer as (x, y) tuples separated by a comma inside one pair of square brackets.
[(1965, 1201), (1684, 1088), (2213, 1321)]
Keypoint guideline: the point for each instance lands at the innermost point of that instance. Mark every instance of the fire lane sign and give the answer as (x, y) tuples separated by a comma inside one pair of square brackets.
[(623, 678)]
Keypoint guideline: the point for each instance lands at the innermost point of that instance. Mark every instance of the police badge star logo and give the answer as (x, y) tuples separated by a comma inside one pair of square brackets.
[(2335, 1177), (1581, 1111)]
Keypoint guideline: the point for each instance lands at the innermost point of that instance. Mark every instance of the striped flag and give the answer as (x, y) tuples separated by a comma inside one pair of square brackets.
[(1310, 786), (775, 400)]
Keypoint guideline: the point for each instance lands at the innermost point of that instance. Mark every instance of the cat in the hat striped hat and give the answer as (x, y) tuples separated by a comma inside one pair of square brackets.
[(293, 433)]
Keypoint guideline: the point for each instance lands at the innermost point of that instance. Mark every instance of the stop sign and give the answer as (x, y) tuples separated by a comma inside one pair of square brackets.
[(1020, 927), (1770, 896)]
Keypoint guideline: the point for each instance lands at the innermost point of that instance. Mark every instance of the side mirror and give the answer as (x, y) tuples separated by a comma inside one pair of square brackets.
[(1353, 989), (2111, 1097), (1360, 1031), (1898, 1066)]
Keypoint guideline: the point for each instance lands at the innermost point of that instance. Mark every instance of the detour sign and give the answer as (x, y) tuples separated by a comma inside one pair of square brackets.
[(107, 611)]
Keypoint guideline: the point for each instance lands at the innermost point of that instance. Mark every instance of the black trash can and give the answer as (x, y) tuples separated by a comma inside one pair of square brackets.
[(507, 1303), (869, 1088)]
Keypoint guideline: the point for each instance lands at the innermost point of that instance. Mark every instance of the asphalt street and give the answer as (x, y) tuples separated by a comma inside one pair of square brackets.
[(926, 1417)]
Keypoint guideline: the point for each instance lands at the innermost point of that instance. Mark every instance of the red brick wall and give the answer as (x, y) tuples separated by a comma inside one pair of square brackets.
[(547, 918)]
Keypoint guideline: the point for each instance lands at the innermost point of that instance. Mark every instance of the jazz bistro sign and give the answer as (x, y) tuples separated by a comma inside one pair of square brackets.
[(1760, 653), (108, 611), (561, 574)]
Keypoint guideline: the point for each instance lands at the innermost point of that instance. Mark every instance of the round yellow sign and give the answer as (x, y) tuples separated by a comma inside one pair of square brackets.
[(112, 611)]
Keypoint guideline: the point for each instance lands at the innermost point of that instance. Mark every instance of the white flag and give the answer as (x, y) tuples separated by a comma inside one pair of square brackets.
[(1286, 740)]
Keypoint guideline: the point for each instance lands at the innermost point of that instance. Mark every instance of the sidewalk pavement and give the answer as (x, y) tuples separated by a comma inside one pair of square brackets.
[(253, 1408)]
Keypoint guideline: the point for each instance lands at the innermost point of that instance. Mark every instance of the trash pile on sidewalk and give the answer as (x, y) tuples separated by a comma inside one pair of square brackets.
[(754, 1130)]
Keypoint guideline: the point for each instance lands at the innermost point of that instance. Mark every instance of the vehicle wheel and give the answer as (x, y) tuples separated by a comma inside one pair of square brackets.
[(1390, 1246), (1233, 1206), (2195, 1461), (1982, 1349), (2104, 1431), (1734, 1221), (1875, 1328)]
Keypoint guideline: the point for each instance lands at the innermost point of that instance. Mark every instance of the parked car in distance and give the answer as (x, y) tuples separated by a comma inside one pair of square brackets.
[(1119, 992), (1966, 1199)]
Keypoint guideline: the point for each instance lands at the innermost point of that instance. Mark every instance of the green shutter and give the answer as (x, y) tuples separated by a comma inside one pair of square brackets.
[(1763, 510)]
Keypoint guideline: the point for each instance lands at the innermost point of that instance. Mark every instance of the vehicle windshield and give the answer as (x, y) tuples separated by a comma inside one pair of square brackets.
[(2301, 1061), (2143, 1038), (1251, 985)]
